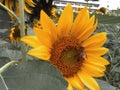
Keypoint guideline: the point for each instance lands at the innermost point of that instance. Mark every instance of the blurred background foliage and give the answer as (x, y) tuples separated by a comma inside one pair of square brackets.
[(40, 75)]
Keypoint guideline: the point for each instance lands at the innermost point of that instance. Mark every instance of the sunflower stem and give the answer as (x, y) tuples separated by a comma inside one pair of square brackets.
[(2, 69), (22, 29), (11, 12), (4, 82)]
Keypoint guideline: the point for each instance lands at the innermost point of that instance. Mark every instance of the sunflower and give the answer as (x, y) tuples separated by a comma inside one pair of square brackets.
[(45, 5), (102, 10), (71, 47), (36, 23), (78, 9), (53, 11), (15, 33), (13, 5)]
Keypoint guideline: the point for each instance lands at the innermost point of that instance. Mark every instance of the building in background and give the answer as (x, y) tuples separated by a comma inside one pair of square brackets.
[(92, 4)]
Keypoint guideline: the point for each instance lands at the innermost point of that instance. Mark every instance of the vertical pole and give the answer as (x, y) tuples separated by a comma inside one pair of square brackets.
[(22, 28)]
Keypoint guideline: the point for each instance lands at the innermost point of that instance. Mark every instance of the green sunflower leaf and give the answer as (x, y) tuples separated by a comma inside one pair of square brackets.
[(106, 19), (34, 75), (105, 86)]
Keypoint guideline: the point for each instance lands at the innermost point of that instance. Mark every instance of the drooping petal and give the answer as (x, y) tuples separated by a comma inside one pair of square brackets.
[(95, 41), (41, 52), (88, 81), (43, 36), (75, 82), (65, 21), (96, 51), (48, 25), (80, 22), (31, 41), (87, 31)]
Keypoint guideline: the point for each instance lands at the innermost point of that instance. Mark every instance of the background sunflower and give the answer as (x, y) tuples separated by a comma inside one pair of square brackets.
[(13, 5)]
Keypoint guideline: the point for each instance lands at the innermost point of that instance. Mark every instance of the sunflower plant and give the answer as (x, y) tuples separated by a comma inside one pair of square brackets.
[(71, 47), (13, 5), (21, 70)]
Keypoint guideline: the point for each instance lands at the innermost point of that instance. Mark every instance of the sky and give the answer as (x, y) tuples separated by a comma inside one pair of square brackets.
[(113, 4)]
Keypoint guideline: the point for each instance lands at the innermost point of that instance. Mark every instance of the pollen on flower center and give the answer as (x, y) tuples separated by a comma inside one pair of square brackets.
[(67, 55)]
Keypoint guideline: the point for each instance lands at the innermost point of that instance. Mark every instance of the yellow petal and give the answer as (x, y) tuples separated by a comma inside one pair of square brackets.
[(31, 41), (75, 82), (27, 9), (96, 40), (93, 69), (69, 87), (48, 25), (88, 81), (92, 72), (65, 21), (96, 51), (91, 61), (87, 31), (41, 52), (43, 36), (97, 68), (80, 22), (97, 60)]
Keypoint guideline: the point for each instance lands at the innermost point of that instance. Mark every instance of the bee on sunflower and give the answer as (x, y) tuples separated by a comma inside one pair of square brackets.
[(15, 33), (71, 47)]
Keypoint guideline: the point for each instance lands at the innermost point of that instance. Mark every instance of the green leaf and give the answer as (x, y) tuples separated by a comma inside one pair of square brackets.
[(34, 75), (106, 19), (105, 86)]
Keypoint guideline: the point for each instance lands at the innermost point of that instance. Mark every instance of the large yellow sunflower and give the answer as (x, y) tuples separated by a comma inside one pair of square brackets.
[(71, 47)]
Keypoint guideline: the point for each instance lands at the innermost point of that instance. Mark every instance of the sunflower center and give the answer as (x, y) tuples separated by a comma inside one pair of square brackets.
[(67, 55)]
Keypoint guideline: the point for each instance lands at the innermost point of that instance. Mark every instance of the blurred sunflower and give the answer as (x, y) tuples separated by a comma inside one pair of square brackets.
[(78, 9), (102, 10), (45, 5), (13, 5), (15, 33), (54, 12), (71, 47)]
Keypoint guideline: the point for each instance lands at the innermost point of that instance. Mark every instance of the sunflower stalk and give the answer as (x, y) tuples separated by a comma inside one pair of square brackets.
[(11, 12), (4, 82), (22, 31), (2, 69)]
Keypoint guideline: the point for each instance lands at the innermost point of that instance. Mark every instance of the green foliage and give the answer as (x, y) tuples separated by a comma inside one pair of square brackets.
[(33, 75), (106, 19), (113, 43)]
